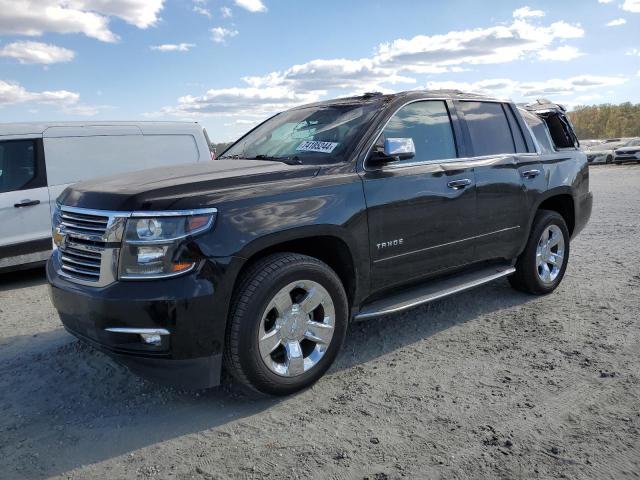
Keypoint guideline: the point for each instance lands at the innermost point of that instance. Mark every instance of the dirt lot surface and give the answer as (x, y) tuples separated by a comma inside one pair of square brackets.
[(490, 383)]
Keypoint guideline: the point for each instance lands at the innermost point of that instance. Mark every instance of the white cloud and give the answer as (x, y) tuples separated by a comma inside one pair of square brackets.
[(605, 1), (220, 34), (172, 47), (499, 44), (616, 23), (247, 101), (323, 75), (36, 52), (526, 12), (568, 86), (564, 53), (251, 5), (202, 11), (14, 93), (81, 110), (226, 12), (631, 6), (503, 87), (391, 64), (89, 17)]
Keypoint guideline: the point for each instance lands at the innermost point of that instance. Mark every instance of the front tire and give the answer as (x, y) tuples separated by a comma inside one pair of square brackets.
[(287, 323), (541, 266)]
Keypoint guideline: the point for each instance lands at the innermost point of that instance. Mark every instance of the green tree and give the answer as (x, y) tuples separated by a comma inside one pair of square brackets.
[(606, 120)]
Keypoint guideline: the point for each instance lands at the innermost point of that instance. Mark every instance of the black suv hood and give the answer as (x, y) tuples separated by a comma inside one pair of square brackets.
[(182, 186)]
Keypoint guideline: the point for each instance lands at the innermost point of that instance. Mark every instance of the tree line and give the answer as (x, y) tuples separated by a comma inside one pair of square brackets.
[(606, 120)]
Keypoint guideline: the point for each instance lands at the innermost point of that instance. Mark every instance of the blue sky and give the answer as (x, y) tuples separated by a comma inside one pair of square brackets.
[(230, 63)]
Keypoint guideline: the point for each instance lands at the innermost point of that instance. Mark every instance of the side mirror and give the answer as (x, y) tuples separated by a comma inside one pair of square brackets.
[(395, 149), (401, 148)]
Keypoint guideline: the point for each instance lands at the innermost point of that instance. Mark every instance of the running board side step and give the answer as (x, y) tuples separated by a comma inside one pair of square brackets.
[(433, 290)]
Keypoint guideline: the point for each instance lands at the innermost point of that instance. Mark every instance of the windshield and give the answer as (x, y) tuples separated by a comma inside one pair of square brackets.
[(308, 135)]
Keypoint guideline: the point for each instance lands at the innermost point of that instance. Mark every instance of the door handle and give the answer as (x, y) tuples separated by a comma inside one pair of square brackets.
[(26, 203), (530, 173), (458, 184)]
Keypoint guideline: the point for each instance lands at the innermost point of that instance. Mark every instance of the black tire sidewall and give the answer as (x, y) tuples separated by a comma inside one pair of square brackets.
[(251, 362)]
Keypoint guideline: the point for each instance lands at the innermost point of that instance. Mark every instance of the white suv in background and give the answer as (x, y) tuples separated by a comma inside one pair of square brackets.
[(38, 161)]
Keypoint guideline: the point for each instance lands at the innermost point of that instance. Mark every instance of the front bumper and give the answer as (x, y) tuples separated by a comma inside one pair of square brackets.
[(627, 157), (191, 308)]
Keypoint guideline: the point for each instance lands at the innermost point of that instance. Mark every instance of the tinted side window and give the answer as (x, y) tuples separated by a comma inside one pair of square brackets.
[(17, 165), (518, 137), (429, 125), (488, 127), (539, 129)]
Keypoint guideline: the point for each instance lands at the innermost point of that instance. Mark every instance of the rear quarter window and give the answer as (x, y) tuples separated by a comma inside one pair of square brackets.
[(539, 130)]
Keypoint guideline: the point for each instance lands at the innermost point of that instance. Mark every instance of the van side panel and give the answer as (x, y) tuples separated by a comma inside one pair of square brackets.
[(71, 159)]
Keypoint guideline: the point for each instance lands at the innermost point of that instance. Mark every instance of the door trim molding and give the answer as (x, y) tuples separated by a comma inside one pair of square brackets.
[(412, 252)]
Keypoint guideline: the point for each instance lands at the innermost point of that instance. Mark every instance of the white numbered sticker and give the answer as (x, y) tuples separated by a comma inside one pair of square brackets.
[(316, 146)]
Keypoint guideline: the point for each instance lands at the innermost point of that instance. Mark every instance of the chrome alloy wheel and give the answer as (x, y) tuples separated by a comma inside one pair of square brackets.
[(296, 328), (550, 254)]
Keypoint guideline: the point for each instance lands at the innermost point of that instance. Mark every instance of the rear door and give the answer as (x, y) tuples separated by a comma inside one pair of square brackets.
[(420, 211), (25, 221), (505, 171)]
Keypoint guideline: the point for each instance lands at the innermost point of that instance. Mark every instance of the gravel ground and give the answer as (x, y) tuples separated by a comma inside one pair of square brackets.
[(489, 384)]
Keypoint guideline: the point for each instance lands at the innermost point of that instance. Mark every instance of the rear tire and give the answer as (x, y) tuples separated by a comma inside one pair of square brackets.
[(541, 266), (287, 323)]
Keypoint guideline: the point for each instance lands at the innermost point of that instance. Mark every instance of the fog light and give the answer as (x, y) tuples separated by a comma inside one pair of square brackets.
[(151, 338)]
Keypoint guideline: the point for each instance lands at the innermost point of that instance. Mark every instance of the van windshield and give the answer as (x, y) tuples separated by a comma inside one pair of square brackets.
[(308, 135)]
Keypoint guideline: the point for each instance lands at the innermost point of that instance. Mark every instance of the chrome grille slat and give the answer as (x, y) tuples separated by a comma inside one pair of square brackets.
[(87, 219), (81, 253), (76, 226), (67, 259), (82, 271)]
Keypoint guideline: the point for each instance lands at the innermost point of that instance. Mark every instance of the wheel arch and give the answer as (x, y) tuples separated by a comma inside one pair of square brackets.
[(563, 203), (559, 200), (330, 244)]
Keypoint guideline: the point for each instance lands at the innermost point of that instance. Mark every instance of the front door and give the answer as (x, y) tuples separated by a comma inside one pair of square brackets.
[(25, 218), (421, 210)]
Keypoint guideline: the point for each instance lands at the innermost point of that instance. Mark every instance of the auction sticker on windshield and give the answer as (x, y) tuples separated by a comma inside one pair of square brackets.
[(316, 146)]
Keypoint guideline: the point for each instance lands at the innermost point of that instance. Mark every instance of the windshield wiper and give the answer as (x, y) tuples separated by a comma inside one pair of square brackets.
[(295, 160)]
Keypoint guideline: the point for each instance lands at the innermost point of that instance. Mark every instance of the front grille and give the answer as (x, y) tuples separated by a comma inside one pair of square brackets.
[(80, 261), (88, 244), (83, 224)]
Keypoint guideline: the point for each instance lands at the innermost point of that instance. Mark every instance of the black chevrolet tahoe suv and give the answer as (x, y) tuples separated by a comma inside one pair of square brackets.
[(323, 214)]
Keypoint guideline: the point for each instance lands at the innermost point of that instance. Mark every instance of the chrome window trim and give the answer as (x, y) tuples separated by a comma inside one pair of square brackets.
[(456, 160), (380, 130), (444, 160)]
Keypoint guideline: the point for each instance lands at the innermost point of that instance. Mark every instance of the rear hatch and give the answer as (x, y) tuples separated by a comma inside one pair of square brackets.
[(557, 121)]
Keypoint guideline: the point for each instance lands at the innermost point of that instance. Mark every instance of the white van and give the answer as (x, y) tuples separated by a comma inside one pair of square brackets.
[(38, 161)]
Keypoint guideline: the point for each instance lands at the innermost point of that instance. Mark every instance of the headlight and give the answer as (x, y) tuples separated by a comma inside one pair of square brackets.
[(152, 246)]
